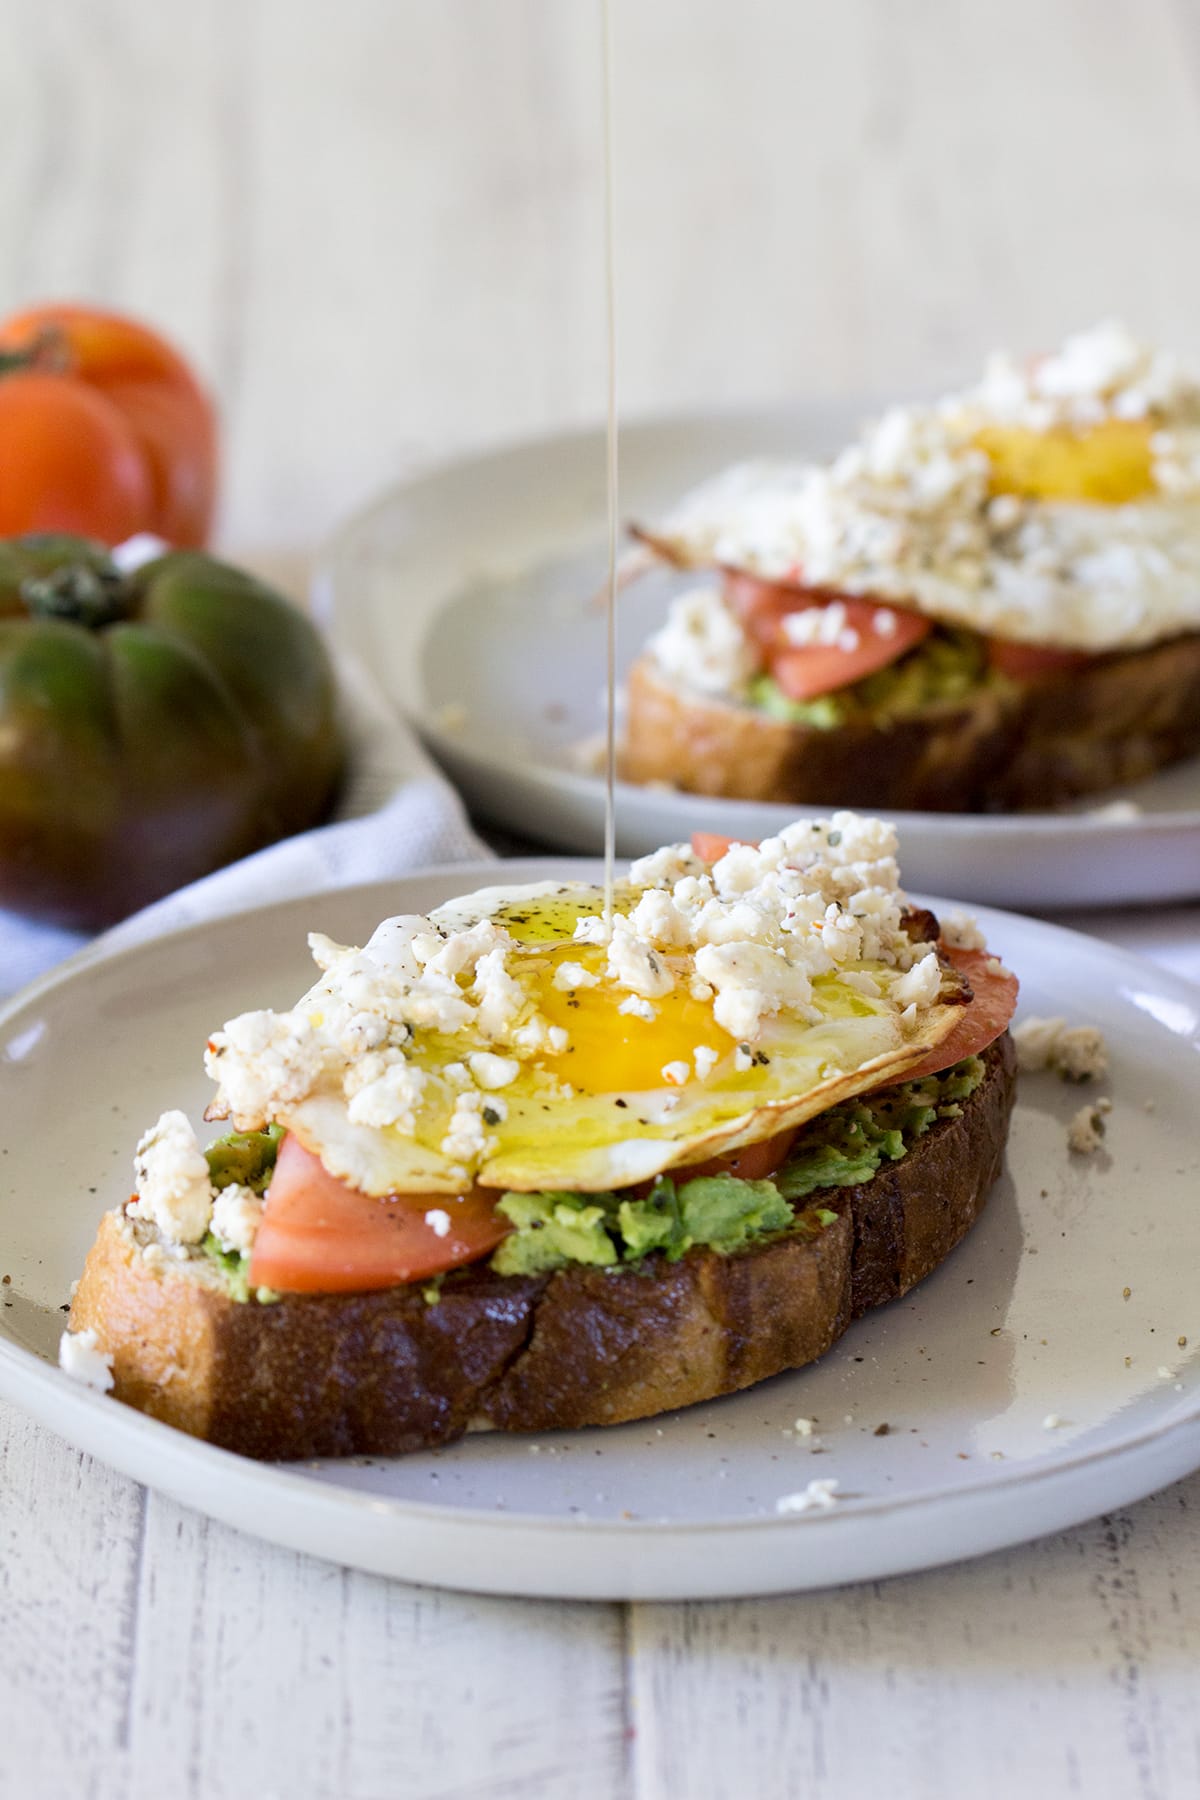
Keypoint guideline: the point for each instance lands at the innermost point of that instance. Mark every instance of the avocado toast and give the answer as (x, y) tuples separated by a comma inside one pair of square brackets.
[(779, 1096)]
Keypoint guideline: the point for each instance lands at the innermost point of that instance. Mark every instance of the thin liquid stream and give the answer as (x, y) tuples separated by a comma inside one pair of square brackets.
[(612, 488)]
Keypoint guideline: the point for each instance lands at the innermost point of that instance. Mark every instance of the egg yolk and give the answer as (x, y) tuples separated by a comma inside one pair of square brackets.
[(610, 1051), (1111, 463)]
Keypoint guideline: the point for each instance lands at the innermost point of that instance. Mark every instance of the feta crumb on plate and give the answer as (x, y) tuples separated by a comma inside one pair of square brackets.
[(820, 1495), (1085, 1133), (80, 1357), (1075, 1052)]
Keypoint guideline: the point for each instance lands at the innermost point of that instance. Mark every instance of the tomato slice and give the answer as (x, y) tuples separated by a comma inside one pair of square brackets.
[(983, 1021), (710, 846), (875, 634), (872, 638), (320, 1236), (1033, 662), (762, 606), (753, 1162)]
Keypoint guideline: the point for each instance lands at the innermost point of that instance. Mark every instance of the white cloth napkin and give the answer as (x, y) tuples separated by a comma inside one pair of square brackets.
[(396, 815)]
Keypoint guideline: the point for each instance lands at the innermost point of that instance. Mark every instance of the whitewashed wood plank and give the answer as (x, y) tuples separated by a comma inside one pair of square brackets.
[(70, 1545), (261, 1672), (1064, 1667)]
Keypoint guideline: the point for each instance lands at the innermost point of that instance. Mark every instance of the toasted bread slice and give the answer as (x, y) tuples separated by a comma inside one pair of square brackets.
[(1028, 745), (385, 1372)]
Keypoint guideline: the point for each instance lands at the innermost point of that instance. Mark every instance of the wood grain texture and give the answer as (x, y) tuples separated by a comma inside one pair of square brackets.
[(377, 230), (150, 1654), (1064, 1667)]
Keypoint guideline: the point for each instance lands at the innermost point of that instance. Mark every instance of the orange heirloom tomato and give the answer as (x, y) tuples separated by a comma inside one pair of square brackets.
[(104, 430)]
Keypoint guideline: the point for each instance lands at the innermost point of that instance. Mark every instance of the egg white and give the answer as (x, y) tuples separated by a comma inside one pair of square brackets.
[(566, 1123)]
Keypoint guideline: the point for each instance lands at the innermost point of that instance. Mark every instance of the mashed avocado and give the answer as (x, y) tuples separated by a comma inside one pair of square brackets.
[(947, 666), (841, 1148), (246, 1158)]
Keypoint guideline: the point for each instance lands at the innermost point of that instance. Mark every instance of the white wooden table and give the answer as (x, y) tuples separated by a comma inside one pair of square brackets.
[(376, 227)]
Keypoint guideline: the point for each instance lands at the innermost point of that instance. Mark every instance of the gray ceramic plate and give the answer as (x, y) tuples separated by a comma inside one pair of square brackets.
[(466, 592), (1025, 1321)]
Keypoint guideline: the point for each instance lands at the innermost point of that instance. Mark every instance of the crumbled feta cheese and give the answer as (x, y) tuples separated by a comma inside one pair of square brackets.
[(392, 1099), (174, 1190), (635, 964), (537, 1034), (236, 1216), (804, 1427), (675, 1074), (571, 975), (1074, 1052), (1085, 1133), (80, 1357), (751, 982), (820, 1495), (960, 929), (491, 1071), (670, 864), (591, 929), (466, 1140), (706, 1060), (438, 1221), (638, 1008), (463, 950), (921, 985), (703, 644), (262, 1059), (908, 513), (657, 920), (501, 1001), (743, 1058)]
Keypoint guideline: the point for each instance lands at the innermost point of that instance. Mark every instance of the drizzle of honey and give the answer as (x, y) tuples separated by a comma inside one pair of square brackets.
[(610, 762)]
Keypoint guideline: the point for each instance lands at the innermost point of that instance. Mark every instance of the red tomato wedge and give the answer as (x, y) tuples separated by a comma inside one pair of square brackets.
[(875, 634), (995, 990), (319, 1236), (753, 1162), (710, 846), (866, 645), (1033, 662), (762, 606)]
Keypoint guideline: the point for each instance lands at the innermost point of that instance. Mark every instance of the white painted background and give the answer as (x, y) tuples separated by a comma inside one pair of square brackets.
[(375, 224)]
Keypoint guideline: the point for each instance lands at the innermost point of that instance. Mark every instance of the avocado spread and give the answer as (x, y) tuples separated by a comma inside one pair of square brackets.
[(248, 1159), (947, 666), (840, 1148)]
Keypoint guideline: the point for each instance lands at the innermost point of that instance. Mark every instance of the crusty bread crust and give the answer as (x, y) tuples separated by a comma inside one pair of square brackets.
[(1034, 744), (386, 1372)]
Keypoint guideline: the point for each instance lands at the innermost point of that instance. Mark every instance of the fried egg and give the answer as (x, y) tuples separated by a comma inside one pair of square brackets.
[(591, 1085), (1057, 505)]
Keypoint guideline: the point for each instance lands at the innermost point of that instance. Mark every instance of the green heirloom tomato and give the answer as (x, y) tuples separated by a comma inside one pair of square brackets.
[(152, 726)]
